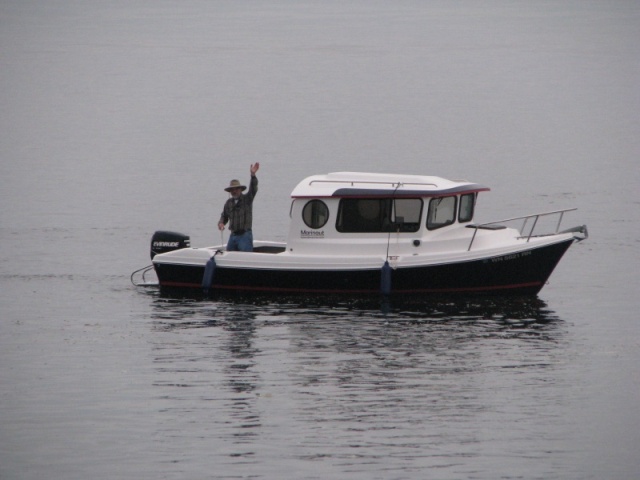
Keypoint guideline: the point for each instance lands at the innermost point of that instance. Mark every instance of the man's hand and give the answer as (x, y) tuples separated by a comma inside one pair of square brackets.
[(254, 168), (221, 226)]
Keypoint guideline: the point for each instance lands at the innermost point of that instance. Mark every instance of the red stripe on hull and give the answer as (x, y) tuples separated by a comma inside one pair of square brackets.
[(492, 288)]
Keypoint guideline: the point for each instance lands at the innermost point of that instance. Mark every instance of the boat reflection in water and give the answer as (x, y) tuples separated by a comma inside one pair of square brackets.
[(399, 375), (509, 311)]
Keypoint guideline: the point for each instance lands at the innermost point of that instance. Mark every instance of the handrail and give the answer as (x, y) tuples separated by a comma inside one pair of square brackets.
[(393, 184), (526, 218)]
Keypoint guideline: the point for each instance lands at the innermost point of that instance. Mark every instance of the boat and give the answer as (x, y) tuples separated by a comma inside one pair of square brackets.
[(354, 233)]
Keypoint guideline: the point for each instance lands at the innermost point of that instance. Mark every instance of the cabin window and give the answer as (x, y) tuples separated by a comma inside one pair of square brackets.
[(442, 212), (315, 214), (371, 215), (467, 202)]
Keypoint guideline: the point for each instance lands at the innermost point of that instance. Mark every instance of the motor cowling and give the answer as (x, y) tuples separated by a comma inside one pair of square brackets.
[(164, 241)]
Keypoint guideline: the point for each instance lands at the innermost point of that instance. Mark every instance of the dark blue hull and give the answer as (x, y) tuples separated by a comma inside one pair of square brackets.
[(523, 273)]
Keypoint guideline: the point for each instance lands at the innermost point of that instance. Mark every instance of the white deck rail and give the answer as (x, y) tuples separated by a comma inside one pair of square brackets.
[(525, 218)]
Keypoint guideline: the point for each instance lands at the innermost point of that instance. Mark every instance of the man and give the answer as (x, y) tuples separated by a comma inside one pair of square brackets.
[(238, 211)]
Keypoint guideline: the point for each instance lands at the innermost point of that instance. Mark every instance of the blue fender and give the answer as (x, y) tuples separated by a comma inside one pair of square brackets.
[(385, 279), (209, 272)]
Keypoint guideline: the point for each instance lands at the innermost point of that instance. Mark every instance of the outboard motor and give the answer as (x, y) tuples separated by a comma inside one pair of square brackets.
[(163, 242)]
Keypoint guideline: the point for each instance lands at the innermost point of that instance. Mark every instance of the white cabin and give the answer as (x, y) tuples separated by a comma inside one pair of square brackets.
[(370, 214)]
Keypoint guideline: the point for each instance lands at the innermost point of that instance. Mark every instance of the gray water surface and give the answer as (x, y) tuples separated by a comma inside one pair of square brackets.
[(121, 118)]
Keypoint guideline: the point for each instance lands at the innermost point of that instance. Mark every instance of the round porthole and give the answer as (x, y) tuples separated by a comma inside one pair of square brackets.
[(315, 214)]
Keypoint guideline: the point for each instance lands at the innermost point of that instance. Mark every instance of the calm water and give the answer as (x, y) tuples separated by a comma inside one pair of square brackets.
[(121, 118)]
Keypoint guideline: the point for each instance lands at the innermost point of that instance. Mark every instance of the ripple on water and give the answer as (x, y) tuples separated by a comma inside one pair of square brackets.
[(369, 387)]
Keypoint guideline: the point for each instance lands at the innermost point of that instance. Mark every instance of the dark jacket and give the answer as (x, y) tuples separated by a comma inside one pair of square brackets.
[(240, 214)]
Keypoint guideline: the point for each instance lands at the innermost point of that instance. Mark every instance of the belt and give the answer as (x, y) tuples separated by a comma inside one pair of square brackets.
[(240, 232)]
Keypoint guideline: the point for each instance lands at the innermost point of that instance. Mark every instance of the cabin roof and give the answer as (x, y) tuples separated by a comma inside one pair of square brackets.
[(359, 184)]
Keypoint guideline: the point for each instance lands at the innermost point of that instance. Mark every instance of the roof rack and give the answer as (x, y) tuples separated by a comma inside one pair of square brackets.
[(371, 182)]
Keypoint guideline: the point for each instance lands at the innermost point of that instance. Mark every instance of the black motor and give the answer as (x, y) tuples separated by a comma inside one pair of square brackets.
[(163, 242)]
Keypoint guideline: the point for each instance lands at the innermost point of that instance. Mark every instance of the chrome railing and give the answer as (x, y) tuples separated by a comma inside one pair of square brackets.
[(374, 182), (525, 218)]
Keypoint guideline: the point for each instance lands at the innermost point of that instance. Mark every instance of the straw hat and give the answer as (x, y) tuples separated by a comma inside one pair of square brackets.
[(235, 184)]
